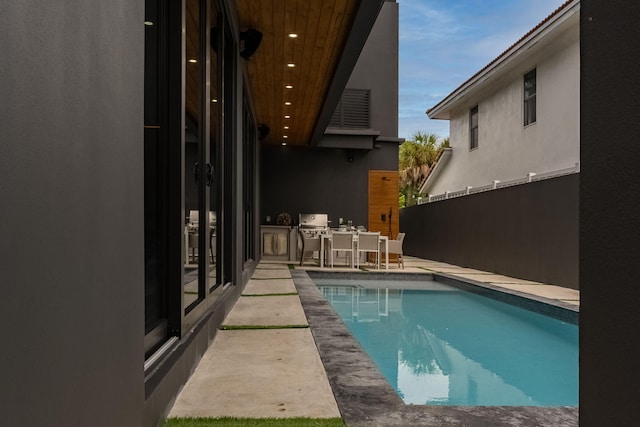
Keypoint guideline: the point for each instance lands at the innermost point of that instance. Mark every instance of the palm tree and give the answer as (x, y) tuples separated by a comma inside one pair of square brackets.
[(416, 157)]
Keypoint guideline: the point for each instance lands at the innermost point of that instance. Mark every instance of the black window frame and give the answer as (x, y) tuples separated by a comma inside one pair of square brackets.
[(473, 128), (529, 91)]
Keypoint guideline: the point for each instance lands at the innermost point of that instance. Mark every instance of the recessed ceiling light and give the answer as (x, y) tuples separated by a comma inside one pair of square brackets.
[(193, 61), (214, 100), (287, 103), (289, 86), (284, 143), (291, 65), (285, 136), (286, 127), (293, 35), (287, 117), (148, 23)]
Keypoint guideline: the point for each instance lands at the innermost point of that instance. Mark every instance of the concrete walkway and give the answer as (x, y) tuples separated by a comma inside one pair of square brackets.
[(271, 369), (265, 363)]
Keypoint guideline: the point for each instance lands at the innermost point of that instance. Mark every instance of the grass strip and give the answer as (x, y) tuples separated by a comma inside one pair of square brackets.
[(254, 422), (275, 294), (291, 266), (245, 327), (271, 267), (271, 278)]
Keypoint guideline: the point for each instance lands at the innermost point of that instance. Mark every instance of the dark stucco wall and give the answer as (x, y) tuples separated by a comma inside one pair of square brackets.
[(321, 180), (528, 231), (71, 223), (609, 213), (377, 69)]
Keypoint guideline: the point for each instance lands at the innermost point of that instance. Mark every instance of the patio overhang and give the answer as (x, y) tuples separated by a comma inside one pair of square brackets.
[(329, 38)]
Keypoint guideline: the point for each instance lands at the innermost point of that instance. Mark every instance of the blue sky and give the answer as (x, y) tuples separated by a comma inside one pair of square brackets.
[(444, 42)]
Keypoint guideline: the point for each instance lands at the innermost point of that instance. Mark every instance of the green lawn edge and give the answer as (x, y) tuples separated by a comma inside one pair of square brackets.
[(242, 327), (254, 422), (274, 294)]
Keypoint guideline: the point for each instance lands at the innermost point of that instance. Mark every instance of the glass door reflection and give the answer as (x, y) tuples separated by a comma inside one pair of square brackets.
[(202, 133), (196, 221)]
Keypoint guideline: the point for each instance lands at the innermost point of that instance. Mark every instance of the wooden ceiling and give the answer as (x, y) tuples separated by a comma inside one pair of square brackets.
[(322, 27)]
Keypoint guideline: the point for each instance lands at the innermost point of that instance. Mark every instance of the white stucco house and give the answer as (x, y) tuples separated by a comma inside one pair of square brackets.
[(518, 115)]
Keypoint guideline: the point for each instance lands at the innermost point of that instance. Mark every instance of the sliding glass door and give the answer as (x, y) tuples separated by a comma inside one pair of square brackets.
[(202, 134), (188, 180)]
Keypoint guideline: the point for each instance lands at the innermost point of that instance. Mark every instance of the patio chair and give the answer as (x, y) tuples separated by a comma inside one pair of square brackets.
[(341, 241), (309, 244), (369, 242), (194, 219), (212, 244), (395, 248)]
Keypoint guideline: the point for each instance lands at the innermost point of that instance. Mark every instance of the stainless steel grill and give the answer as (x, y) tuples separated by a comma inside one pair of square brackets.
[(313, 222)]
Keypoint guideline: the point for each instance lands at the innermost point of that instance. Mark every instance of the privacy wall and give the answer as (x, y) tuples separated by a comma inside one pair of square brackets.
[(528, 231)]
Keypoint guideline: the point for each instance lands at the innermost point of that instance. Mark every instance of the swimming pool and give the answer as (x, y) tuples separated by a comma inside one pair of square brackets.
[(440, 345)]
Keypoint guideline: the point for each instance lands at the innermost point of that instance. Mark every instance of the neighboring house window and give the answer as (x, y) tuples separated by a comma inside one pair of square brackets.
[(530, 97), (352, 110), (473, 128)]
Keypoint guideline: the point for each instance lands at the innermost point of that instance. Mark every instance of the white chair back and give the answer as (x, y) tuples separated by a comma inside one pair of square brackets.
[(368, 241), (193, 217), (341, 240)]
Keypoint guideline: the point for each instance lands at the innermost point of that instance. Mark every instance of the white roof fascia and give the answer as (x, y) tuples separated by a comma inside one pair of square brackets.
[(437, 168), (441, 110)]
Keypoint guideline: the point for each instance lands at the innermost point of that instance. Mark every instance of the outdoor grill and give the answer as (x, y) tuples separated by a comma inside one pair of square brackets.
[(313, 222)]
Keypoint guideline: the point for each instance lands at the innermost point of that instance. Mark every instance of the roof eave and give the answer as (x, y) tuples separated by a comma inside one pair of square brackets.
[(443, 108), (443, 158)]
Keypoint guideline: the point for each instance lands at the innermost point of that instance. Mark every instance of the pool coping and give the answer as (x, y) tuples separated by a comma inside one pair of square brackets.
[(364, 396)]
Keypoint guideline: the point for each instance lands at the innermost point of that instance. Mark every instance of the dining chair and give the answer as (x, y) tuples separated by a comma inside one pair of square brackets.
[(212, 245), (395, 248), (212, 219), (369, 242), (193, 245), (309, 244), (341, 241), (193, 217)]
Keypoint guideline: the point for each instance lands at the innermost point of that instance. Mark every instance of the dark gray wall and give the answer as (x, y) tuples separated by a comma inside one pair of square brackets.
[(320, 180), (609, 224), (377, 69), (71, 223), (528, 231)]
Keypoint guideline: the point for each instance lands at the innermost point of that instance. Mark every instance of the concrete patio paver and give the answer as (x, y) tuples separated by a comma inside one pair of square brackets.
[(269, 286), (274, 373), (271, 273), (285, 310), (547, 291)]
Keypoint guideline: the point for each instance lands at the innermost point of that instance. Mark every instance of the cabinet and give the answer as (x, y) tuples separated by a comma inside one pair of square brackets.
[(278, 242)]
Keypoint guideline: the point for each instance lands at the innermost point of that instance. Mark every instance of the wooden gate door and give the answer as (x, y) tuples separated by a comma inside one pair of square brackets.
[(383, 203)]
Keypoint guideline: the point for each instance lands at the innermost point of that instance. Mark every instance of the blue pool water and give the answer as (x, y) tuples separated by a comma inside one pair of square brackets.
[(446, 346)]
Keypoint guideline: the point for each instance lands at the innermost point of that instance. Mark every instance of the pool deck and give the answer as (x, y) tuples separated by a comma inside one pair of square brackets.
[(282, 352)]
